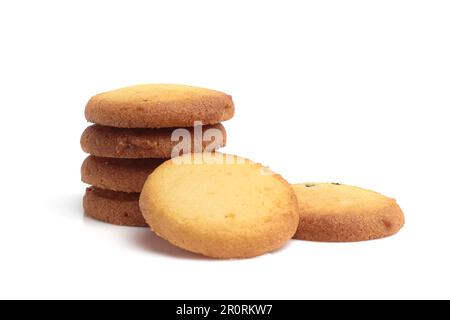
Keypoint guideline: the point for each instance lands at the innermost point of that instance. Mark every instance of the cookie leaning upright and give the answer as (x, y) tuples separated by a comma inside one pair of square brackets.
[(221, 206), (332, 212), (159, 106)]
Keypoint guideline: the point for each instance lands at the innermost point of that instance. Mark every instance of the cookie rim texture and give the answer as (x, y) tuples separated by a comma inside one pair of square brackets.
[(123, 175), (118, 208), (159, 106), (214, 235), (137, 143), (382, 219)]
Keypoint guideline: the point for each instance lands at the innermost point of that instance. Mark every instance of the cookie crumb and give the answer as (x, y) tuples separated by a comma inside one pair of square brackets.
[(387, 224)]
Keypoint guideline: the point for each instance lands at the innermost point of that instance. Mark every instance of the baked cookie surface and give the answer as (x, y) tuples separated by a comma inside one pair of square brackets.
[(340, 213), (117, 208), (236, 209), (159, 106), (125, 175), (111, 142)]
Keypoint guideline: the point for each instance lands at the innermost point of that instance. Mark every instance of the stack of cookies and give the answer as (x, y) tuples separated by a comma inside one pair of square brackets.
[(135, 130)]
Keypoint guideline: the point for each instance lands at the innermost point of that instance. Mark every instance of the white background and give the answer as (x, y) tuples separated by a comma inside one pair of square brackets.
[(349, 91)]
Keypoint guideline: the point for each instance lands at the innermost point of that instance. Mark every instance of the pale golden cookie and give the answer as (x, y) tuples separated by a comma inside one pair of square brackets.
[(111, 142), (229, 209), (125, 175), (113, 207), (332, 212), (159, 106)]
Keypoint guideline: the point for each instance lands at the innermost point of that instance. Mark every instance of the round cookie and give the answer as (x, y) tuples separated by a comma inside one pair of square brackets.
[(331, 212), (111, 142), (125, 175), (220, 206), (159, 106), (113, 207)]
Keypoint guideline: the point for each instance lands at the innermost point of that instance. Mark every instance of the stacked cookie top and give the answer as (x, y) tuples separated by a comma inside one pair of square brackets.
[(159, 106), (135, 130)]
